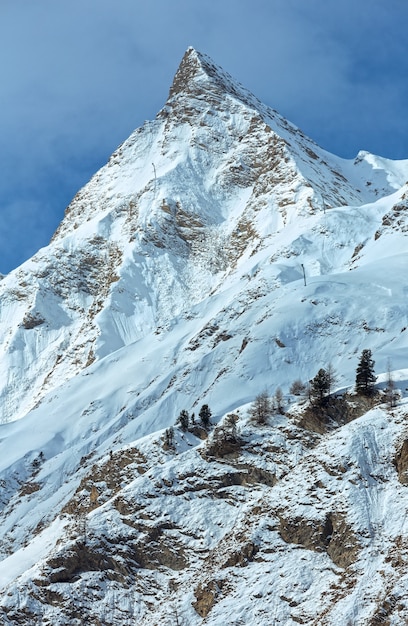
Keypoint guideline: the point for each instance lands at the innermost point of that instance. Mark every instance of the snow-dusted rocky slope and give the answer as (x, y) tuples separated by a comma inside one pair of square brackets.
[(176, 279)]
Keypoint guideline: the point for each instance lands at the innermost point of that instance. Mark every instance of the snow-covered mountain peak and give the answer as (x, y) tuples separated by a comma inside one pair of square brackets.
[(380, 172), (220, 252), (179, 213), (198, 75), (191, 69)]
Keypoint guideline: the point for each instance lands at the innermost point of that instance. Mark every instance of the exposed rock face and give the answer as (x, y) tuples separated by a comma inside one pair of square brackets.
[(401, 463), (333, 535), (206, 596), (243, 556), (149, 530)]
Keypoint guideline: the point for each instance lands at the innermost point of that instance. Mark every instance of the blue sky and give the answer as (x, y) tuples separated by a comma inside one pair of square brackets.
[(77, 77)]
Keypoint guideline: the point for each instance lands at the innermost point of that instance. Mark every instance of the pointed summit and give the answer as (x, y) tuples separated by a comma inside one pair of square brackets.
[(193, 66), (188, 70), (197, 74)]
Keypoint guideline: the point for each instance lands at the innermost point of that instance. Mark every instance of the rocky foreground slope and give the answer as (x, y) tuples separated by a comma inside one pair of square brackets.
[(219, 253), (279, 525)]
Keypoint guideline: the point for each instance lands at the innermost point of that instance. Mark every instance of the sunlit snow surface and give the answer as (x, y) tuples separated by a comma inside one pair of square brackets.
[(218, 254)]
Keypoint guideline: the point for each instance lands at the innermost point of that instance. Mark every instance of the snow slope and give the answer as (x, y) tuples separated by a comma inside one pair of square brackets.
[(219, 253), (189, 206)]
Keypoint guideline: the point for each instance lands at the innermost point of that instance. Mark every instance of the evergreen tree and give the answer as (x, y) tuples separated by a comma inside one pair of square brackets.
[(365, 377), (231, 425), (205, 415), (169, 437), (183, 419), (320, 387)]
